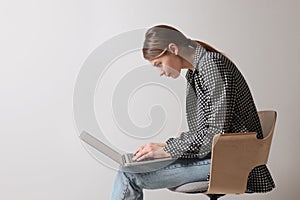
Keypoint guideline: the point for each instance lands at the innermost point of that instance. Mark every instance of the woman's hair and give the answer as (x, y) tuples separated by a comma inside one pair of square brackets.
[(159, 37)]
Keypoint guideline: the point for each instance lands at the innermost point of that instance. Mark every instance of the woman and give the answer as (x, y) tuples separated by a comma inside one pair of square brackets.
[(218, 101)]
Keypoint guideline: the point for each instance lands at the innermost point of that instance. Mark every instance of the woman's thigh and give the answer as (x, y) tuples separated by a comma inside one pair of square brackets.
[(179, 172)]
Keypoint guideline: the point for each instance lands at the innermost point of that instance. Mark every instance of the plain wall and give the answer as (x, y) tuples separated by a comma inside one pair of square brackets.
[(43, 45)]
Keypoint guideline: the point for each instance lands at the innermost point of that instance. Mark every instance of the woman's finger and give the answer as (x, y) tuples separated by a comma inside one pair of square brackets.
[(147, 155), (141, 153), (138, 150)]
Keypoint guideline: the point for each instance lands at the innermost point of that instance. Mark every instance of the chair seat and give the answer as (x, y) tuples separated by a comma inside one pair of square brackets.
[(194, 187)]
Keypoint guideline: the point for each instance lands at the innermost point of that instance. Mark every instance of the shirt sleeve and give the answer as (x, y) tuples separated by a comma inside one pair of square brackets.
[(218, 110)]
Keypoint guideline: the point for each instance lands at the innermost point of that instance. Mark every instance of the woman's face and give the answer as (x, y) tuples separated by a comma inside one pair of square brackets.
[(168, 65)]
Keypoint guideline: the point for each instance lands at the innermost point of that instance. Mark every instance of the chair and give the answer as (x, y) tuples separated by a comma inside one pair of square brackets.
[(233, 158)]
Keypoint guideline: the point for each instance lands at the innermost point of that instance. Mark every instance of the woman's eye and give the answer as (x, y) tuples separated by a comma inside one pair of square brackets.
[(157, 65)]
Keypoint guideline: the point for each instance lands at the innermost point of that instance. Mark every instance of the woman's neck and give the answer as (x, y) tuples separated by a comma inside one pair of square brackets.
[(188, 58)]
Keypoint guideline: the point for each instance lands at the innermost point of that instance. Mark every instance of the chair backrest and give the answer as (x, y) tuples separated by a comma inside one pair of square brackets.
[(235, 155)]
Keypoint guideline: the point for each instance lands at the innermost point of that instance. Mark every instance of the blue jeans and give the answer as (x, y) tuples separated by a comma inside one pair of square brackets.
[(129, 186)]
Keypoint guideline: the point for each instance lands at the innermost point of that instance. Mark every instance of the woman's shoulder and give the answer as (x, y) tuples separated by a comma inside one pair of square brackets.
[(216, 58)]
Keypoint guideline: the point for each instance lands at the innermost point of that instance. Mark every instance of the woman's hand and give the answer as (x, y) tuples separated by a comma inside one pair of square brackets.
[(151, 150)]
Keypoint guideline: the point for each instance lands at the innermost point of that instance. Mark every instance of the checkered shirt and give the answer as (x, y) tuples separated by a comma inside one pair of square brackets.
[(218, 100)]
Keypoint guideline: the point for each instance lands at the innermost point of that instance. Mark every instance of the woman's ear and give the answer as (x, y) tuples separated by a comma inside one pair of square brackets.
[(173, 48)]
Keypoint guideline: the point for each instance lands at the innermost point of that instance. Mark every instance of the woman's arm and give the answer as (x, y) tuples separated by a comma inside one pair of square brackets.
[(217, 105)]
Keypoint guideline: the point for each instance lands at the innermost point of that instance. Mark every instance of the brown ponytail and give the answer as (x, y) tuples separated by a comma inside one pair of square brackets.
[(159, 37)]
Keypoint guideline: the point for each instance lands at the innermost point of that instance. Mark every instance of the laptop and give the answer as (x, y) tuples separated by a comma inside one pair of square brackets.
[(124, 160)]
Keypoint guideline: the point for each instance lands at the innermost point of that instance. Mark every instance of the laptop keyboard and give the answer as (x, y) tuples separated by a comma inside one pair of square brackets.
[(128, 158)]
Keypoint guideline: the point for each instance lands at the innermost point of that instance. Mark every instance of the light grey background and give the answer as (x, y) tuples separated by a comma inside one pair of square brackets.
[(44, 43)]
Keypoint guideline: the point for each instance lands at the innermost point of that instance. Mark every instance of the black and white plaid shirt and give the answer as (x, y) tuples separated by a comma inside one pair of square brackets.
[(218, 100)]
